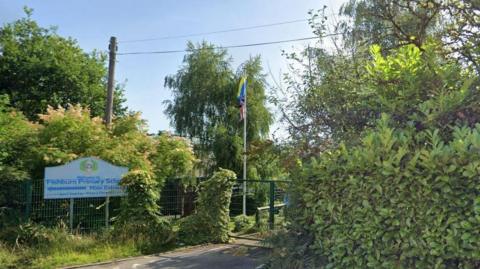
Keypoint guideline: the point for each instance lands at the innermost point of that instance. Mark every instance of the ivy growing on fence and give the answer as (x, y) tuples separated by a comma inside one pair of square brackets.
[(210, 221)]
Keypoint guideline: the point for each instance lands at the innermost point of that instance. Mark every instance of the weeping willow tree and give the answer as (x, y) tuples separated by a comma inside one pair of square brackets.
[(204, 106)]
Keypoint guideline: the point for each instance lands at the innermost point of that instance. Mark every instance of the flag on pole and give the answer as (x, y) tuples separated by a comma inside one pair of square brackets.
[(242, 92)]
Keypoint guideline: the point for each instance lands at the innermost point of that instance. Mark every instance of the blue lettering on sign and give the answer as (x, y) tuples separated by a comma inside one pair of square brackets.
[(65, 188)]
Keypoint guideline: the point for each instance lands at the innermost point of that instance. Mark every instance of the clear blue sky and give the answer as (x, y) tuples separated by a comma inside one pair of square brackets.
[(92, 23)]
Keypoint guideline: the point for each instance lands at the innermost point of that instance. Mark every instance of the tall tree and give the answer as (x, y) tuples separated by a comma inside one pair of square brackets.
[(330, 95), (425, 94), (393, 23), (204, 107), (40, 68)]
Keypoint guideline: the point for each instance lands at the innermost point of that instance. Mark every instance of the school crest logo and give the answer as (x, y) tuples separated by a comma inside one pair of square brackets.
[(88, 166)]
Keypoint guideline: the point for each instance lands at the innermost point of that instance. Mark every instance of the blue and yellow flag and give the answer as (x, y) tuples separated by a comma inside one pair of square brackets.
[(242, 92)]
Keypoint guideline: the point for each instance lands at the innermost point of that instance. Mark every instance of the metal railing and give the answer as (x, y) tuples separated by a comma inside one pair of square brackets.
[(262, 196), (176, 201)]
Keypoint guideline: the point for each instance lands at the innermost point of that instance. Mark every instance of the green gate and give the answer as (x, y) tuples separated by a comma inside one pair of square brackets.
[(265, 199)]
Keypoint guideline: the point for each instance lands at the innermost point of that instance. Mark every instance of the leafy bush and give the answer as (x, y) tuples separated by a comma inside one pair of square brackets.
[(67, 134), (210, 221), (39, 247), (17, 140), (241, 222), (174, 157), (140, 203), (149, 237), (34, 234), (401, 199), (31, 235), (140, 214)]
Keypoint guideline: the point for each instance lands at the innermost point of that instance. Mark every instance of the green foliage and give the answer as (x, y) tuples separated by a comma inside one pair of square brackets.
[(265, 161), (38, 247), (416, 86), (426, 50), (323, 104), (7, 260), (34, 235), (67, 134), (400, 192), (174, 158), (205, 110), (197, 94), (252, 201), (130, 144), (149, 237), (393, 23), (140, 204), (241, 223), (139, 213), (40, 68), (401, 199), (209, 224), (420, 88), (16, 136), (17, 141)]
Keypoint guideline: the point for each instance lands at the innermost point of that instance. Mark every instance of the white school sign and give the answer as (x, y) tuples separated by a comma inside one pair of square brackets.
[(82, 178)]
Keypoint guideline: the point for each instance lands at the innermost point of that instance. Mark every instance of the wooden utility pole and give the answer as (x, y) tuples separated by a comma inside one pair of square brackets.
[(112, 48)]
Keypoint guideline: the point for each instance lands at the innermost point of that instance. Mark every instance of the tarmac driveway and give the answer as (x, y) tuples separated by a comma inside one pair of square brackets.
[(224, 256)]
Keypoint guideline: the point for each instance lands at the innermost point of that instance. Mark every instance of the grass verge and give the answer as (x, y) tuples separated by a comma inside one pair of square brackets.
[(78, 250), (52, 248)]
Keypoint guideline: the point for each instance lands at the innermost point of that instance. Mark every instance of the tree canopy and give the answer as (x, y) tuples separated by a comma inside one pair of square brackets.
[(204, 107), (39, 68), (393, 23), (63, 135), (386, 124), (339, 92)]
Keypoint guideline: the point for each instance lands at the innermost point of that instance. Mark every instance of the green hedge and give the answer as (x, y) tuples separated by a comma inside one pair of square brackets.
[(209, 223), (139, 216), (242, 223), (401, 199)]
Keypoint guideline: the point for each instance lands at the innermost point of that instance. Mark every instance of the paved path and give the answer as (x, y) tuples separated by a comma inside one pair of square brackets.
[(231, 256)]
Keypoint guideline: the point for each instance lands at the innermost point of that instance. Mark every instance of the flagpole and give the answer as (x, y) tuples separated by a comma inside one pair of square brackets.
[(245, 154)]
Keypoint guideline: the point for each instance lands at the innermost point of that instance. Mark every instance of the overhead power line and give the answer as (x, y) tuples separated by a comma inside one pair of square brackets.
[(214, 32), (228, 47)]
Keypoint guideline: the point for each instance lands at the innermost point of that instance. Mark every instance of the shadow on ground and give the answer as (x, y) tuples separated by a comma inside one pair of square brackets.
[(231, 258), (224, 256)]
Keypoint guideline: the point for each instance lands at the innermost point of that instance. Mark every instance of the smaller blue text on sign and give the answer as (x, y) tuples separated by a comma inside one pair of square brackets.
[(83, 178)]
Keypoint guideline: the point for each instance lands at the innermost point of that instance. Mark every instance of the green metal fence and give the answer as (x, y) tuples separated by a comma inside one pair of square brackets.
[(265, 200), (91, 214), (80, 214)]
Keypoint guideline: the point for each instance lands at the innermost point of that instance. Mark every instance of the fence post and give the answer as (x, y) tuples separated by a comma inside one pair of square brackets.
[(71, 215), (28, 206), (107, 202), (271, 213)]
